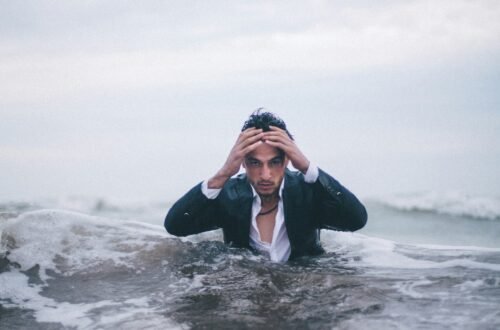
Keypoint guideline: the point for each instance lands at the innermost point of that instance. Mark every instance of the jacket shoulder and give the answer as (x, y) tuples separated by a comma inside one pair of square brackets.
[(293, 178), (236, 187)]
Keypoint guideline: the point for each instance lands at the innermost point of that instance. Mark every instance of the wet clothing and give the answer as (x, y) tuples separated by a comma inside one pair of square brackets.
[(279, 249), (307, 207)]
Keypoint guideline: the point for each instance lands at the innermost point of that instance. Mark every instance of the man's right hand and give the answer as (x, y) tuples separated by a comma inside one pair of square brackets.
[(247, 141)]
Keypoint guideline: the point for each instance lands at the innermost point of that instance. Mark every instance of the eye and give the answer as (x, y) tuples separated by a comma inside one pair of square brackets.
[(253, 163), (276, 162)]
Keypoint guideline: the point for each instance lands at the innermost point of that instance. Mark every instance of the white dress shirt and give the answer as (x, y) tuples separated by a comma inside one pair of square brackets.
[(279, 249)]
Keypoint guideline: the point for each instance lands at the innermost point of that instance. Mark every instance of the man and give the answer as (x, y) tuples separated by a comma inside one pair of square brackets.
[(269, 209)]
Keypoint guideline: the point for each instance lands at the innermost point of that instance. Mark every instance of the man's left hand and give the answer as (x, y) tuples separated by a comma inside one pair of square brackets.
[(278, 138)]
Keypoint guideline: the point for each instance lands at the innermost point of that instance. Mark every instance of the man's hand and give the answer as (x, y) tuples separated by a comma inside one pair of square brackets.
[(278, 138), (247, 141)]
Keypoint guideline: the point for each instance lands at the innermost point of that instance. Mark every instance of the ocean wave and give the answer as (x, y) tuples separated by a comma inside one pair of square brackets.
[(143, 210), (66, 241), (376, 253), (92, 272), (44, 249), (450, 203)]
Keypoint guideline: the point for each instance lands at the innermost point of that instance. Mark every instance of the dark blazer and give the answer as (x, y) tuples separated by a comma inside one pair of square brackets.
[(308, 207)]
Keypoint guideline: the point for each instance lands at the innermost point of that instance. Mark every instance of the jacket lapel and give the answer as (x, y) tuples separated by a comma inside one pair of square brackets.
[(245, 200), (291, 194)]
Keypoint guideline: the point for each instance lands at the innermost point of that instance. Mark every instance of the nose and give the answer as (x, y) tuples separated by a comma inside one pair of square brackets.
[(265, 172)]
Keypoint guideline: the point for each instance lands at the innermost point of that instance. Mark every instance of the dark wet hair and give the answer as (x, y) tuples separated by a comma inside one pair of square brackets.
[(259, 119)]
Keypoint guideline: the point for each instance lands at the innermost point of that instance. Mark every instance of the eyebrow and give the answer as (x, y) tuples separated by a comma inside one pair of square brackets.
[(270, 160)]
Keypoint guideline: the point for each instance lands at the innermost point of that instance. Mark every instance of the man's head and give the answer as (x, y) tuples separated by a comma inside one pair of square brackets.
[(263, 120), (265, 165)]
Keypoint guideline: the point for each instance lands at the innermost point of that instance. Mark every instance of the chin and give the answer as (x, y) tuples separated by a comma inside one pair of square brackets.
[(268, 194)]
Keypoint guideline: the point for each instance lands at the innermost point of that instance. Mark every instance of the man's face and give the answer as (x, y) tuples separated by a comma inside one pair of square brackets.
[(265, 167)]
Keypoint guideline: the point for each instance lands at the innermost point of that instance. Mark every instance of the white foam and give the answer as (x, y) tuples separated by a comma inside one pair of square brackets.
[(458, 248), (452, 203), (138, 209), (469, 285), (381, 253), (128, 314), (409, 288), (197, 282), (14, 285), (74, 240), (67, 242)]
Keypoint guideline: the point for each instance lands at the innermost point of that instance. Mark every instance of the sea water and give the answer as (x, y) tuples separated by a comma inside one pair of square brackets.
[(426, 261)]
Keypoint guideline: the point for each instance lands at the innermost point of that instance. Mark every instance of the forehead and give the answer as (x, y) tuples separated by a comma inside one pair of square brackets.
[(264, 152)]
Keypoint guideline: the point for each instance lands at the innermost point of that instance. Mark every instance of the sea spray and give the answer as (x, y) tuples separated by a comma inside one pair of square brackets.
[(66, 269)]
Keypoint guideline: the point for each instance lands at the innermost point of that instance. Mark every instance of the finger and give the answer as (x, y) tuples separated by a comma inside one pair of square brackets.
[(281, 134), (277, 138), (248, 133), (278, 144), (275, 128), (251, 131), (250, 147), (250, 140), (290, 150)]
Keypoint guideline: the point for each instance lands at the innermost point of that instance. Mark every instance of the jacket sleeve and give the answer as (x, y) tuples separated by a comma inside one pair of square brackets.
[(192, 214), (337, 207)]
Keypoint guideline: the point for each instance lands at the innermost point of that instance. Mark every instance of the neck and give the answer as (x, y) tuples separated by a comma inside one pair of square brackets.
[(269, 199)]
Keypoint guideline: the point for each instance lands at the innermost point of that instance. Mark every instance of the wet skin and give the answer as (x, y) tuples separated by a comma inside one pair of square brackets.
[(264, 155), (265, 168)]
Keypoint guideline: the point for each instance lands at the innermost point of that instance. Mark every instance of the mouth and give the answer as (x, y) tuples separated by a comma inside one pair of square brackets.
[(265, 185)]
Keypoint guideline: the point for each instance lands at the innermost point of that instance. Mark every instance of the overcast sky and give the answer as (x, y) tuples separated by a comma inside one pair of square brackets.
[(144, 99)]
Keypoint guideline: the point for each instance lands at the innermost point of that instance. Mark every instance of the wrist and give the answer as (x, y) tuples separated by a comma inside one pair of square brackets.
[(304, 167), (217, 181)]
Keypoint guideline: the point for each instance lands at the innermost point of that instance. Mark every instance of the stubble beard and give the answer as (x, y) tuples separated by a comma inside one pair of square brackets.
[(269, 197)]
